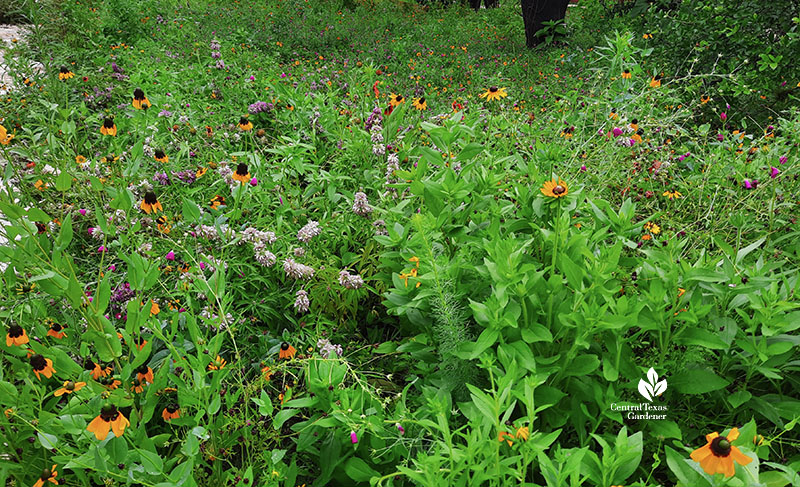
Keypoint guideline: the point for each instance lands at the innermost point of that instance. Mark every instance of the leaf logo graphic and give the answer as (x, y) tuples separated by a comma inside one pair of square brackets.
[(652, 388)]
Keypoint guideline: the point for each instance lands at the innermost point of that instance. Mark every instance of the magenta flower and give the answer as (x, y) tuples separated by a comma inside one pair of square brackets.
[(170, 255), (583, 168), (82, 211), (353, 437), (783, 159), (617, 131), (748, 184), (254, 181), (101, 249), (90, 230), (720, 137), (773, 172), (723, 116), (400, 428)]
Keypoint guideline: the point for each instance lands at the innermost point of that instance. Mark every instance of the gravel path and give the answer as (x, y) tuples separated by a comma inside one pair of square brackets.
[(8, 34)]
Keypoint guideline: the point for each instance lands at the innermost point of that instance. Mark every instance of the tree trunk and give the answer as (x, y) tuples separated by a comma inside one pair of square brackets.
[(536, 12)]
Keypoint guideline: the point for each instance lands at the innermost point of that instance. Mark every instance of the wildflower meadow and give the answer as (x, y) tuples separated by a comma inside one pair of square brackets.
[(287, 243)]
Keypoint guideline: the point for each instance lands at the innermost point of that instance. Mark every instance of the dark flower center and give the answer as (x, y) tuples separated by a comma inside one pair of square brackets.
[(243, 121), (64, 70), (56, 327), (70, 386), (46, 474), (142, 369), (493, 89), (15, 331), (720, 446), (150, 198), (241, 169), (38, 362), (172, 408), (421, 101), (138, 94), (284, 346), (159, 154), (88, 364), (109, 413), (559, 189), (108, 123)]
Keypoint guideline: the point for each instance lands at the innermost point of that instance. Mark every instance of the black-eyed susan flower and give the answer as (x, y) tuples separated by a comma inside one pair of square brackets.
[(555, 189), (523, 433), (108, 127), (160, 156), (64, 74), (655, 81), (26, 287), (97, 370), (613, 115), (626, 74), (16, 336), (48, 475), (144, 373), (672, 195), (396, 100), (242, 174), (217, 201), (150, 203), (109, 419), (647, 36), (287, 351), (200, 172), (5, 137), (154, 308), (162, 223), (267, 372), (56, 331), (171, 412), (140, 102), (718, 455), (567, 132), (705, 99), (494, 93), (137, 386), (245, 124), (420, 103), (508, 437), (41, 365), (69, 387), (139, 343), (110, 383), (219, 363)]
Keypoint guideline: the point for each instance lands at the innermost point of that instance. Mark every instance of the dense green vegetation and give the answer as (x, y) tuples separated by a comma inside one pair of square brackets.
[(295, 243)]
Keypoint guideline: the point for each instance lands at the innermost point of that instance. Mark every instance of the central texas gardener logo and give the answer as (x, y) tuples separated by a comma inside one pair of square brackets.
[(652, 387)]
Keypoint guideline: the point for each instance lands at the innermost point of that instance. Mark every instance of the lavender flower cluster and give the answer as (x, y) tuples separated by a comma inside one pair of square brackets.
[(309, 231), (361, 205), (301, 302), (260, 239), (217, 54), (350, 281), (296, 270), (392, 165), (326, 347), (260, 107)]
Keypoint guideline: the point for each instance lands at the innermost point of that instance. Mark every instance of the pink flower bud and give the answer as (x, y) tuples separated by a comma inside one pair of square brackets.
[(82, 211), (353, 437), (773, 172), (101, 249), (583, 168), (617, 131), (400, 428), (254, 181), (723, 116), (783, 159), (170, 255)]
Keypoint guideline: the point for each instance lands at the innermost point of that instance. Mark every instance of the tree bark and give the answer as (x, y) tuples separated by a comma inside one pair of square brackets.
[(536, 12)]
